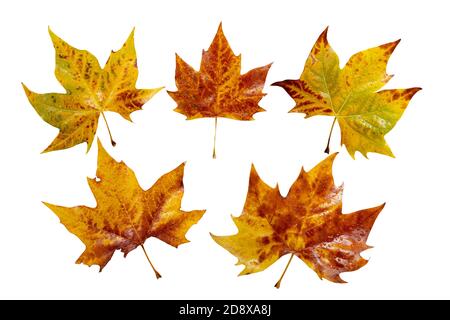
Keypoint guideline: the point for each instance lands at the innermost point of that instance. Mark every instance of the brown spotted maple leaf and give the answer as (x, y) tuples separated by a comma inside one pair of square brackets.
[(91, 91), (307, 223), (126, 215), (218, 89), (351, 95)]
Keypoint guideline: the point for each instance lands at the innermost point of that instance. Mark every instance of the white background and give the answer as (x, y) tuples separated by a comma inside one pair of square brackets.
[(411, 256)]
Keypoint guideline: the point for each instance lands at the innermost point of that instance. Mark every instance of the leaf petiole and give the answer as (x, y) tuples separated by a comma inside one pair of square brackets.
[(327, 149), (109, 131), (277, 285), (215, 132), (157, 274)]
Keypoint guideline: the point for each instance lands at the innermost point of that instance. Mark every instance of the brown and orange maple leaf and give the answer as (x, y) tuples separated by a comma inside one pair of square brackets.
[(126, 215), (218, 89), (307, 223)]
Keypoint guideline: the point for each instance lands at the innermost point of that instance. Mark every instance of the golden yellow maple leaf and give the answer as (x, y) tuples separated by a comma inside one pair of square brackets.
[(91, 91), (365, 115), (126, 215), (307, 223)]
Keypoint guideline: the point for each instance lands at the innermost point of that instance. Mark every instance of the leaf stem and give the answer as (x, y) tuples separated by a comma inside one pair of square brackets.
[(277, 285), (109, 131), (215, 132), (157, 274), (327, 149)]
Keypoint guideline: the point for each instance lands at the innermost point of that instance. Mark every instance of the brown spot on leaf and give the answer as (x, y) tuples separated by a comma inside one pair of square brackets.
[(262, 256)]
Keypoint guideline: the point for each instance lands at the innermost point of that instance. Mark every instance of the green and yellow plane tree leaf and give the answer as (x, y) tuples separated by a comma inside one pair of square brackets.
[(126, 215), (307, 223), (218, 89), (90, 91), (351, 95)]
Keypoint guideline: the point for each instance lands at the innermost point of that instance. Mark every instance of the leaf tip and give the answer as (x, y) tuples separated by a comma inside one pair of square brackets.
[(333, 156), (53, 36), (47, 150), (330, 158), (101, 151), (89, 145), (324, 36), (350, 152), (253, 174), (413, 91), (25, 88), (178, 60), (390, 47), (276, 84), (181, 166), (243, 272), (219, 34), (339, 280), (302, 171), (48, 205), (281, 84), (394, 44), (131, 36)]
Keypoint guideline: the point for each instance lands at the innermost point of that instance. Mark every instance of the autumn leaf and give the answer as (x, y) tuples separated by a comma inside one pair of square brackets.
[(307, 223), (350, 95), (91, 91), (218, 89), (126, 215)]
